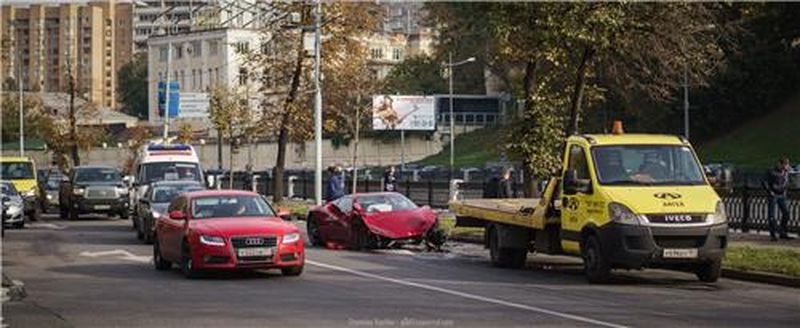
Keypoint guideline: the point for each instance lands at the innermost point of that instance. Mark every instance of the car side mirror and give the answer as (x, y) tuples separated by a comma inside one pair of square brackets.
[(177, 215), (284, 213)]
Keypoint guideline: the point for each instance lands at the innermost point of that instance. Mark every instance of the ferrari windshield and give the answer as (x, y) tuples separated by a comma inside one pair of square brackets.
[(647, 165), (230, 207), (385, 203)]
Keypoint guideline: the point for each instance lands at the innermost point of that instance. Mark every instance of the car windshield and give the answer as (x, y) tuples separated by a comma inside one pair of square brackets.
[(165, 171), (165, 194), (97, 175), (647, 165), (230, 207), (385, 203), (16, 170), (8, 189)]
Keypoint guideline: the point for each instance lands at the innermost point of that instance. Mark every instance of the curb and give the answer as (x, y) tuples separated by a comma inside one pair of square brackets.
[(762, 277), (752, 276)]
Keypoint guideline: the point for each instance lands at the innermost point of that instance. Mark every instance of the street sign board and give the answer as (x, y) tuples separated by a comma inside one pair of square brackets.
[(403, 113), (174, 98), (194, 105)]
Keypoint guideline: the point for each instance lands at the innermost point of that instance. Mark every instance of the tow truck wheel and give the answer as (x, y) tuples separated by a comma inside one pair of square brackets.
[(709, 271), (511, 258), (595, 265)]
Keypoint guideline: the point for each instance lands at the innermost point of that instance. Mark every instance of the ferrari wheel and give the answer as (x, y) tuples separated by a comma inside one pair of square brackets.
[(312, 228)]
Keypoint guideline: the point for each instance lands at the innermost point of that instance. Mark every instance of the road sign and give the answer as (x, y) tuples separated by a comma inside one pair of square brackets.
[(194, 105), (174, 99)]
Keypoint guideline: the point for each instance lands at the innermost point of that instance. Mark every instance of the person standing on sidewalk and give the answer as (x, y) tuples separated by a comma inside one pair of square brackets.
[(390, 180), (335, 187), (776, 183), (505, 189)]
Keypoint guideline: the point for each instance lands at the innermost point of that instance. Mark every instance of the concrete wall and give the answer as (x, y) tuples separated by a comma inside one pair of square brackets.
[(371, 152)]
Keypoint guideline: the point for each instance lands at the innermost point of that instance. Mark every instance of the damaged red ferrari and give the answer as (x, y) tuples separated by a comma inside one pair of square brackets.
[(373, 220)]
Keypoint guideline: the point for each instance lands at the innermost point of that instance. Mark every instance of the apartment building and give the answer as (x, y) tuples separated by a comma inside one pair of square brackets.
[(47, 44)]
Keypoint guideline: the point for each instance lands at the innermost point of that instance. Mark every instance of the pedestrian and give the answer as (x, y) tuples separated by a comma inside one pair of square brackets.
[(390, 180), (249, 177), (776, 183), (504, 188), (335, 187)]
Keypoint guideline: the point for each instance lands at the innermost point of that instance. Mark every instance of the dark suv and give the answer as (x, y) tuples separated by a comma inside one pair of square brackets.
[(93, 189)]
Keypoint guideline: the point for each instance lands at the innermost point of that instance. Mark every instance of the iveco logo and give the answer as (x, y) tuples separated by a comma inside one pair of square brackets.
[(677, 218), (667, 195), (253, 241)]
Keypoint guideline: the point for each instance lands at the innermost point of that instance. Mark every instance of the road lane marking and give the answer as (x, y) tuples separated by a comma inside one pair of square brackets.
[(46, 225), (122, 254), (467, 295)]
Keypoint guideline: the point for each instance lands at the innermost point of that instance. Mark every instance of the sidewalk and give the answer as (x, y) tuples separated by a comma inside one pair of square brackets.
[(762, 239)]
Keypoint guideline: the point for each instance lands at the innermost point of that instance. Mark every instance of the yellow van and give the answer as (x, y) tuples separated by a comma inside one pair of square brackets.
[(21, 171)]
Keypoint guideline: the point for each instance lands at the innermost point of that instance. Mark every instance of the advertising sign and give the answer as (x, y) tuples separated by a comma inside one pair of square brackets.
[(403, 112)]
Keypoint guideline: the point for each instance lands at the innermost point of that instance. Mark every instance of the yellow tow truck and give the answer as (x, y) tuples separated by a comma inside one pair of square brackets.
[(626, 201), (21, 171)]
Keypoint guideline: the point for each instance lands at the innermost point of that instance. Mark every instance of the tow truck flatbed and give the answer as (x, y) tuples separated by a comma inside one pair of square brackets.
[(524, 212)]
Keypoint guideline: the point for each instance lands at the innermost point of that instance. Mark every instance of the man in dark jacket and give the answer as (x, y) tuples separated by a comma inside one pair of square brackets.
[(335, 187), (390, 180), (776, 183), (504, 191)]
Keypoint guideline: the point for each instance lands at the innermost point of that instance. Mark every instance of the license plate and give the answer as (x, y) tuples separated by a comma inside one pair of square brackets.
[(680, 253), (102, 207), (254, 251)]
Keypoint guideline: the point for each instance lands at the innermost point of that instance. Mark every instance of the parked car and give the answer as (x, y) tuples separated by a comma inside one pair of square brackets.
[(154, 203), (94, 190), (50, 188), (13, 206), (373, 220), (226, 230)]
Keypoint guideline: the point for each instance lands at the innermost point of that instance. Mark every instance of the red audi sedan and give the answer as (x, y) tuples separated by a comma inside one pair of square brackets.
[(225, 230)]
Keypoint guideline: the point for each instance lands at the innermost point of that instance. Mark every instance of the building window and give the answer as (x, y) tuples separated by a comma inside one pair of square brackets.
[(194, 79), (213, 47), (242, 76), (200, 78), (241, 47), (183, 78), (210, 77), (376, 53), (162, 53), (396, 53), (178, 52), (197, 49)]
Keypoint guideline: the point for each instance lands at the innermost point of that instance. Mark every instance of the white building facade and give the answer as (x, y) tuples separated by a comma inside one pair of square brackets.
[(200, 59)]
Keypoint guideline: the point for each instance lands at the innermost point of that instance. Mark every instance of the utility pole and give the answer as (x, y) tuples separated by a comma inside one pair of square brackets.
[(21, 105), (317, 107), (73, 120), (167, 88), (355, 145)]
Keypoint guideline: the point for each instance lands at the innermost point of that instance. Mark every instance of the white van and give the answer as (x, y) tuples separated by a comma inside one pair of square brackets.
[(160, 162)]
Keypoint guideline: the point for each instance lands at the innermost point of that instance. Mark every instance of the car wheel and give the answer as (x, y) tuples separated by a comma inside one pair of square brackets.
[(312, 229), (124, 215), (187, 263), (34, 214), (147, 233), (160, 263), (63, 212), (20, 224), (709, 271), (595, 265), (292, 271), (511, 258), (73, 214)]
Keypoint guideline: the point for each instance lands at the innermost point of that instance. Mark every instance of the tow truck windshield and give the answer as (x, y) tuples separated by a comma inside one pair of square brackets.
[(647, 165)]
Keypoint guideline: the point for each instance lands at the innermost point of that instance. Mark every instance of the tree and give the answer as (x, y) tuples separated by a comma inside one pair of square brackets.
[(132, 86), (416, 75), (282, 68), (232, 116)]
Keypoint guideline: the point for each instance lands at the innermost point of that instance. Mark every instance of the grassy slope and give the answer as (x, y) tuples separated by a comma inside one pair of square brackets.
[(471, 149), (759, 143)]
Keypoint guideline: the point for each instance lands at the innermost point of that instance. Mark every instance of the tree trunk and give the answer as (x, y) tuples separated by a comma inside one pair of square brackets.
[(355, 145), (283, 132), (577, 94), (531, 69), (230, 163)]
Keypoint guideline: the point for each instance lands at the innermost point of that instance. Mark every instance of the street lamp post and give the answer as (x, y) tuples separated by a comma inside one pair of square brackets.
[(450, 66), (317, 107)]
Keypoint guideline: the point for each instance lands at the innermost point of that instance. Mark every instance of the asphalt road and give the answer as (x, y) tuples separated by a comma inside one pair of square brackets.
[(94, 273)]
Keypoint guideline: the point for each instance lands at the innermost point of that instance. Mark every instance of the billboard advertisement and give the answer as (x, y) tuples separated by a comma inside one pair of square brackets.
[(403, 112)]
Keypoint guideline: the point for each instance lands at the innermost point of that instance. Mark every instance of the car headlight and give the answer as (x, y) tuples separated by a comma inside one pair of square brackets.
[(212, 240), (622, 214), (156, 214), (719, 216), (29, 193), (290, 238), (78, 191), (49, 197), (14, 210)]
